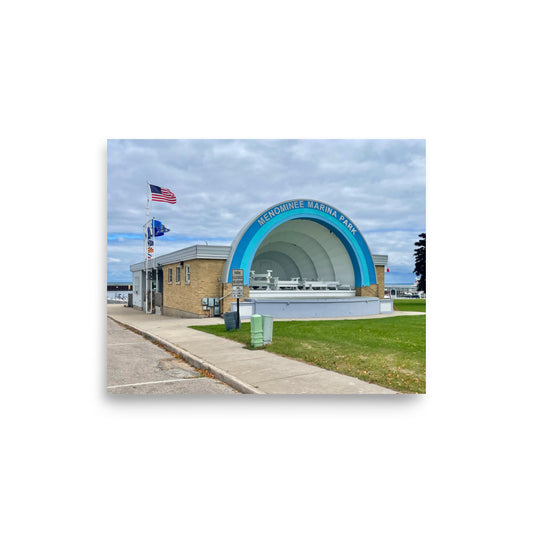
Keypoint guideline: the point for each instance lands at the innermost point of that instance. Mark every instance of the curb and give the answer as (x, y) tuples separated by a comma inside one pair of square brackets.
[(195, 361)]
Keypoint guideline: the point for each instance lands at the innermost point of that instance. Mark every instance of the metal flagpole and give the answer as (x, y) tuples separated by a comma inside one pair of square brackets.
[(154, 273), (146, 245), (148, 263)]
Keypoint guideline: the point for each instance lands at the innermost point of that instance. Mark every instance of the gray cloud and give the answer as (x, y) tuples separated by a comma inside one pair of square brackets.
[(221, 184)]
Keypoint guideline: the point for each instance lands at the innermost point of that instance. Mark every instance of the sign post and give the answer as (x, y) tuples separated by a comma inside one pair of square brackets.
[(237, 289)]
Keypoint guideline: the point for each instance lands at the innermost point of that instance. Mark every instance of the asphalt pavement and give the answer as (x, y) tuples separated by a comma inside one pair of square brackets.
[(136, 365)]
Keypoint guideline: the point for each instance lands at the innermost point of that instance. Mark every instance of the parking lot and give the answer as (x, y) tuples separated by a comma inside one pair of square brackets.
[(137, 366)]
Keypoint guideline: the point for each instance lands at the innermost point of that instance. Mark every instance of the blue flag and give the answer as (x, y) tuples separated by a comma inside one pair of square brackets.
[(159, 229)]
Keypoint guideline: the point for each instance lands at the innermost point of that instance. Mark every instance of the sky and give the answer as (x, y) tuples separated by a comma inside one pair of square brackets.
[(222, 184)]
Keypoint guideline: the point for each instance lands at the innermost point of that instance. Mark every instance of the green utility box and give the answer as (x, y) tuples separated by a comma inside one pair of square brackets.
[(268, 326), (256, 326)]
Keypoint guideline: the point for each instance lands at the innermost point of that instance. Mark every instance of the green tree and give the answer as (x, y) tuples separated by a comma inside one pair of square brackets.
[(420, 261)]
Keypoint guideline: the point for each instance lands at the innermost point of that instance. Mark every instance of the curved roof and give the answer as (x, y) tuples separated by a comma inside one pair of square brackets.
[(252, 235)]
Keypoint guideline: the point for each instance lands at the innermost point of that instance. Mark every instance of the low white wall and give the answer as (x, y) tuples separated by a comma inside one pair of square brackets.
[(386, 306), (318, 308), (246, 309)]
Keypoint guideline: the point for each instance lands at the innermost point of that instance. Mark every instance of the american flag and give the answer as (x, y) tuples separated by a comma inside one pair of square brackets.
[(162, 195)]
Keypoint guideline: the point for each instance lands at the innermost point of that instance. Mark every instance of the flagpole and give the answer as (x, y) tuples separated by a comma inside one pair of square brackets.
[(153, 265), (145, 231), (161, 195)]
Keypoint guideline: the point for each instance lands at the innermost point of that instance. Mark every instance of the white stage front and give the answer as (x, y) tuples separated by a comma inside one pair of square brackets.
[(310, 304)]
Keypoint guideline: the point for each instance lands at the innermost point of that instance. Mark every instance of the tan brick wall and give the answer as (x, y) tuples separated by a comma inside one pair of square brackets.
[(185, 299), (371, 291), (377, 290), (380, 278), (225, 304)]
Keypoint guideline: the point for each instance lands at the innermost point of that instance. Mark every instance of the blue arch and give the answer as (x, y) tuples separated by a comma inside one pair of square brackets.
[(252, 235)]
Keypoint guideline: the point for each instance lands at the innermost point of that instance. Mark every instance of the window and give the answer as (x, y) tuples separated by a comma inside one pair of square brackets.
[(178, 274), (170, 275), (187, 274)]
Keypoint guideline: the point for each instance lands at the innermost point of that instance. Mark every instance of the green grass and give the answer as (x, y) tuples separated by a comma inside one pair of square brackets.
[(410, 304), (388, 351)]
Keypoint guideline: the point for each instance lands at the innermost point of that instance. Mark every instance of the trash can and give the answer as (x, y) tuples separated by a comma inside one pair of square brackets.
[(130, 300), (256, 327), (230, 320), (268, 326)]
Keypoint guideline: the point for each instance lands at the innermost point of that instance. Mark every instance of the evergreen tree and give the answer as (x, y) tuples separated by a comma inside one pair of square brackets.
[(420, 262)]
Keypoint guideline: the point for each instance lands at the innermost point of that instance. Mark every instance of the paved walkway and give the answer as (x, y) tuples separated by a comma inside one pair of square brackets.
[(248, 371)]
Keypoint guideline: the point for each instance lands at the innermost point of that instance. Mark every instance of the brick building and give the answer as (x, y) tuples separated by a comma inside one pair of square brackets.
[(300, 258)]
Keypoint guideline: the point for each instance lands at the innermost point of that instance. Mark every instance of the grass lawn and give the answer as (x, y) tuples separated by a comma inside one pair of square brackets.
[(388, 351), (410, 304)]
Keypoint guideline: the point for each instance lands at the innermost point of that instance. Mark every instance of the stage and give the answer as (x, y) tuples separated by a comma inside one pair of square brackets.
[(310, 304)]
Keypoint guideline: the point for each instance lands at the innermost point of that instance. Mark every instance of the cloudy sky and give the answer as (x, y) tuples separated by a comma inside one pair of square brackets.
[(221, 184)]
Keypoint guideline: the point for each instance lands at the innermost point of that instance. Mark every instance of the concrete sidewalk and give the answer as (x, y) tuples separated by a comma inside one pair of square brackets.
[(248, 371)]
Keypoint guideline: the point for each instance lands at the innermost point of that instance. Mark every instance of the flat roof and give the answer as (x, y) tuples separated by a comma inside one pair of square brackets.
[(198, 251)]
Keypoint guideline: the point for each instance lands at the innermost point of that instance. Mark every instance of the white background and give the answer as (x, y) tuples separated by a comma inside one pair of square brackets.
[(455, 73)]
